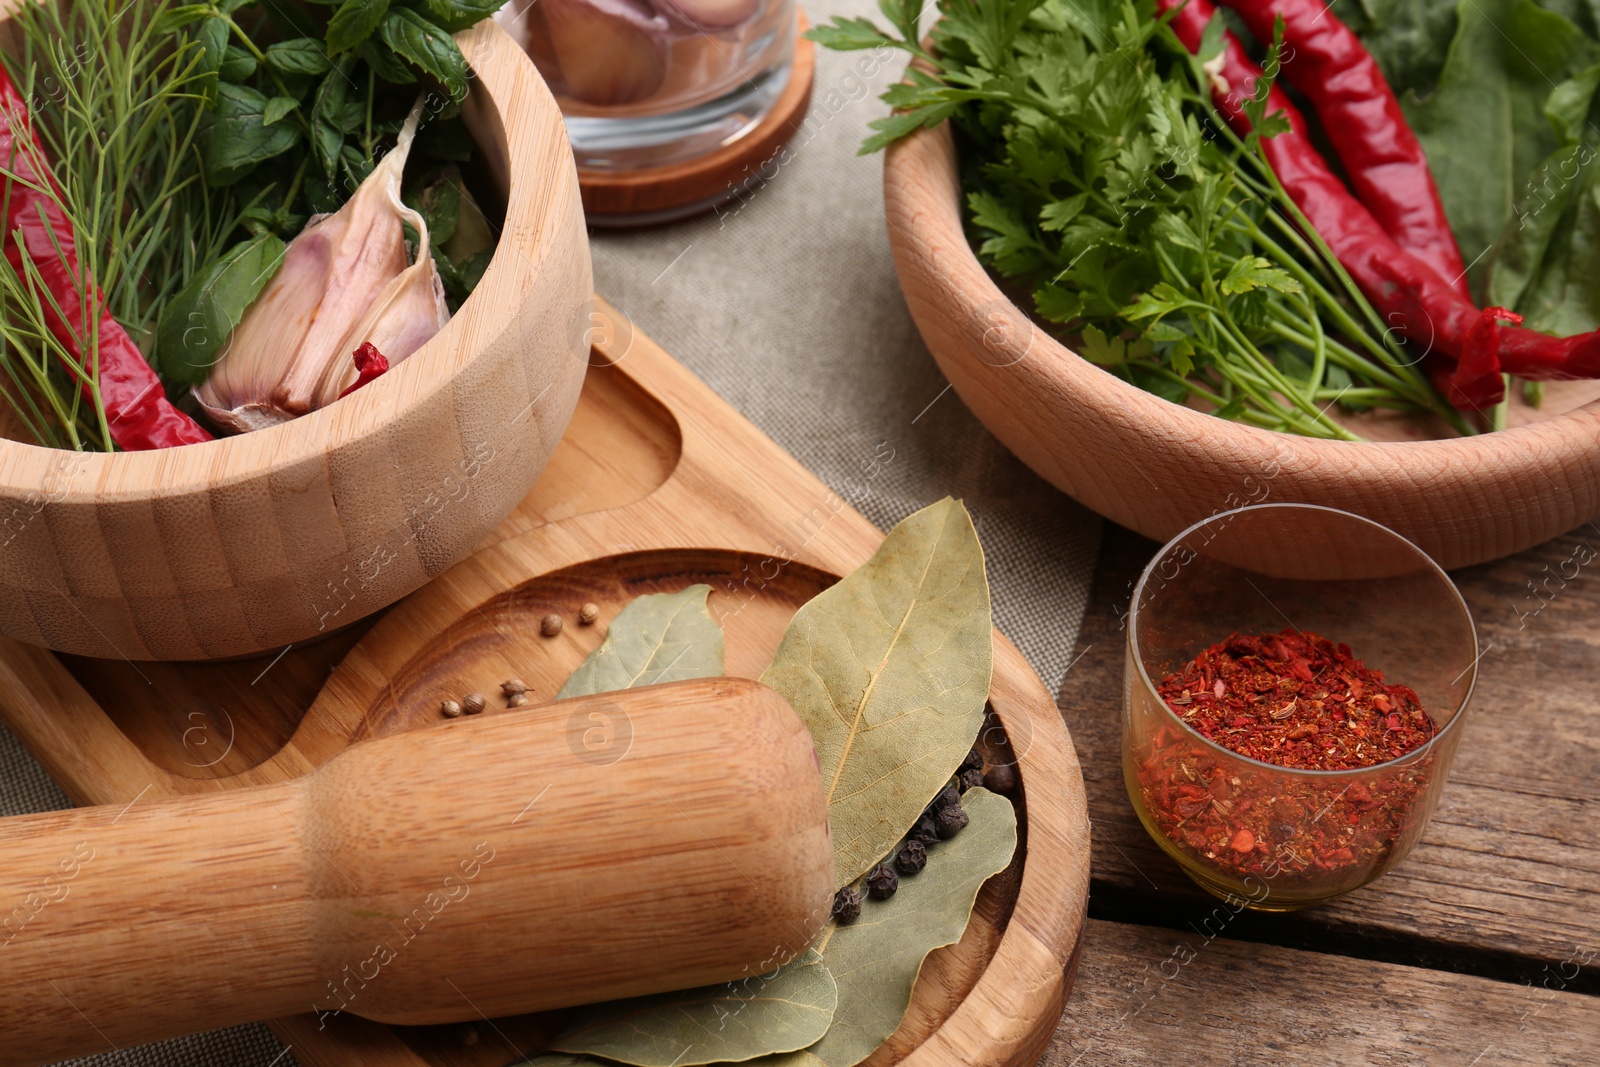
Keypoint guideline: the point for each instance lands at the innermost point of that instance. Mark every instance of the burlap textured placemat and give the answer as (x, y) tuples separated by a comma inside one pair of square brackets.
[(785, 302)]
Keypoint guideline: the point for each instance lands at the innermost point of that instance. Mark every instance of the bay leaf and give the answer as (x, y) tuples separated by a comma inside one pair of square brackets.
[(876, 959), (890, 670), (780, 1012), (659, 637), (801, 1058)]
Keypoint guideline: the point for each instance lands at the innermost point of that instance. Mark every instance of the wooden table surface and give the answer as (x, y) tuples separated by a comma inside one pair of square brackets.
[(1481, 948)]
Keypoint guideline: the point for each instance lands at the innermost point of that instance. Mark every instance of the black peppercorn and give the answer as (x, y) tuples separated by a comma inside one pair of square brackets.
[(951, 821), (882, 882), (949, 795), (971, 778), (974, 761), (912, 858), (847, 905), (926, 830), (1001, 778)]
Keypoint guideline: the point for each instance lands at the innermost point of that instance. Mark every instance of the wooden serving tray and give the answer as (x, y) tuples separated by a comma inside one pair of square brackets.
[(657, 484)]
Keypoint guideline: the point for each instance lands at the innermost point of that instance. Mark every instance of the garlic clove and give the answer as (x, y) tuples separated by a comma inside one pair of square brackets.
[(409, 311), (347, 275), (600, 52), (710, 14)]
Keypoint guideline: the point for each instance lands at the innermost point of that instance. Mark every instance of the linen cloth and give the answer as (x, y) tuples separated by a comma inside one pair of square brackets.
[(785, 302)]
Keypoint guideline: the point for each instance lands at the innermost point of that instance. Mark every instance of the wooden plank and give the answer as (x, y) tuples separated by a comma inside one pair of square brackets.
[(1505, 881), (1156, 997)]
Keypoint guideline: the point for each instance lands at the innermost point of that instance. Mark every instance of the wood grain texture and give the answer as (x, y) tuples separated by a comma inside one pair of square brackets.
[(1150, 997), (482, 864), (1158, 467), (252, 542), (662, 194), (1504, 881), (699, 495)]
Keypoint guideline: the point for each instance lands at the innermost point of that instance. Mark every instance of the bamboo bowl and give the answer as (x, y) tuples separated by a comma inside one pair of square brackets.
[(255, 542), (1158, 467)]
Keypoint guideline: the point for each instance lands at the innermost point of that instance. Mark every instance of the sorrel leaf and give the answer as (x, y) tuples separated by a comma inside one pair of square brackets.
[(780, 1012), (876, 959), (660, 637), (890, 670)]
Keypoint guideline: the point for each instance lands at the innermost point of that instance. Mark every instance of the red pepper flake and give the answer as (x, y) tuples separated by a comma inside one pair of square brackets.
[(370, 363), (1297, 700)]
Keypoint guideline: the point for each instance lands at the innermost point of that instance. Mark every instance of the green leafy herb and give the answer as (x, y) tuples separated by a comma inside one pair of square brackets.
[(199, 318), (1097, 179), (238, 138), (780, 1012), (354, 22), (660, 637), (890, 670), (877, 958), (429, 47)]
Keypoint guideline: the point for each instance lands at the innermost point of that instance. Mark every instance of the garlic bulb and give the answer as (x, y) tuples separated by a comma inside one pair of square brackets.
[(346, 279)]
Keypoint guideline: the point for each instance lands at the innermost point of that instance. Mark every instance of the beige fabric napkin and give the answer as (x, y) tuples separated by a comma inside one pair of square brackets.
[(785, 302)]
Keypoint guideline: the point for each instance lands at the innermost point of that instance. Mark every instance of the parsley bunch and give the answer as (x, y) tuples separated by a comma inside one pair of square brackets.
[(1099, 180)]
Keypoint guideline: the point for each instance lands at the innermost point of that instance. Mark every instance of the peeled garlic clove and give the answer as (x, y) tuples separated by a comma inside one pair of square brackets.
[(601, 52), (345, 275), (710, 14)]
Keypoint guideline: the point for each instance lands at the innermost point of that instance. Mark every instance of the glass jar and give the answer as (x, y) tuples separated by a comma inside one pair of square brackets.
[(1273, 837), (649, 83)]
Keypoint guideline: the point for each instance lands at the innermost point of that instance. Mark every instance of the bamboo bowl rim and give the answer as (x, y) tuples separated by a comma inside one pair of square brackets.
[(927, 163), (507, 86)]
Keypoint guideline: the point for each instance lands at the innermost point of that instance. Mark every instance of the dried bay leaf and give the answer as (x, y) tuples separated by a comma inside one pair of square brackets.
[(780, 1012), (890, 670), (801, 1058), (659, 637), (876, 959)]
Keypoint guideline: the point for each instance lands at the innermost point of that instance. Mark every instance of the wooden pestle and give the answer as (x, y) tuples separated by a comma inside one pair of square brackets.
[(602, 847)]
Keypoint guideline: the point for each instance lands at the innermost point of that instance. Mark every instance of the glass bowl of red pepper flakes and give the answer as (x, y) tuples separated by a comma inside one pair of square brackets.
[(1296, 681)]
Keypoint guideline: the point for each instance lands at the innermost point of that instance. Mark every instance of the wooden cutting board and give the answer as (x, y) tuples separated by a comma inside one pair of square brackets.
[(657, 484)]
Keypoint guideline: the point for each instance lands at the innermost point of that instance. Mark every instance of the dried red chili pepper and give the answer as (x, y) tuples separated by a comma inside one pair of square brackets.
[(1409, 295), (135, 404), (1299, 701), (1386, 164), (370, 364)]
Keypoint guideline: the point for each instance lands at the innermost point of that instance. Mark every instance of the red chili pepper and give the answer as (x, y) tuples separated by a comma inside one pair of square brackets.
[(136, 407), (370, 363), (1388, 169), (1409, 295)]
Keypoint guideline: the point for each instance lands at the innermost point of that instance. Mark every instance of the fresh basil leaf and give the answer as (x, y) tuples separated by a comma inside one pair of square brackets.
[(327, 120), (445, 140), (213, 38), (199, 318), (300, 56), (439, 204), (235, 137), (388, 66), (277, 109), (429, 47), (353, 23), (237, 64), (458, 15)]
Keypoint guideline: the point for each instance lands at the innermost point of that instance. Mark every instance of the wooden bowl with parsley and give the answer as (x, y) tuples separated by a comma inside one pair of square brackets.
[(1047, 249), (253, 542)]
